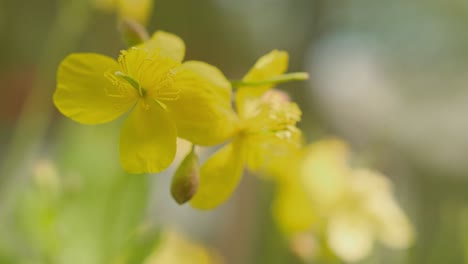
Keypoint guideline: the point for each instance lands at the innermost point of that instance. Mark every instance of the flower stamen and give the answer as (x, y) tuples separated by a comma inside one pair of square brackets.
[(131, 81)]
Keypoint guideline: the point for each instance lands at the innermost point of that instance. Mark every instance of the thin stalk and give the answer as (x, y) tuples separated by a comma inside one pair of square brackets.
[(287, 77)]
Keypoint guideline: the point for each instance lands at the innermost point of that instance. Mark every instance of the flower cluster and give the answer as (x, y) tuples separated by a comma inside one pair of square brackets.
[(164, 98), (350, 206), (266, 130)]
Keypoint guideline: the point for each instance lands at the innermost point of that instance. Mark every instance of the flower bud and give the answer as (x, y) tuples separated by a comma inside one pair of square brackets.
[(185, 181), (132, 32)]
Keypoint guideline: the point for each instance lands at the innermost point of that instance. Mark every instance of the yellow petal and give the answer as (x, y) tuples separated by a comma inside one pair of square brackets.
[(203, 111), (148, 139), (167, 44), (219, 177), (392, 225), (176, 249), (292, 208), (152, 72), (325, 172), (350, 236), (85, 95), (268, 153), (138, 10), (268, 66)]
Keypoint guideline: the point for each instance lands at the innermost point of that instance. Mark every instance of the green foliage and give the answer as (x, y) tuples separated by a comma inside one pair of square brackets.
[(95, 209)]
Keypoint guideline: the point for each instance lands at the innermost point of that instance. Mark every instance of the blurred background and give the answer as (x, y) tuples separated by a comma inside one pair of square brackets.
[(390, 77)]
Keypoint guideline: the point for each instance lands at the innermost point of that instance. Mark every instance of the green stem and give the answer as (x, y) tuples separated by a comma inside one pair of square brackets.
[(132, 32), (287, 77)]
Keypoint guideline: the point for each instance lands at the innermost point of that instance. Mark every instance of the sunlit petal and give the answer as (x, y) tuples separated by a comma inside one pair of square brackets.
[(202, 111), (173, 248), (167, 44), (86, 95), (268, 66), (267, 153), (325, 172), (393, 227), (219, 177), (148, 139), (292, 207), (350, 236), (391, 224)]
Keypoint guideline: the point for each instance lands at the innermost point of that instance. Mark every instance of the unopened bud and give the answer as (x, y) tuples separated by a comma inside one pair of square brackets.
[(185, 181), (133, 33)]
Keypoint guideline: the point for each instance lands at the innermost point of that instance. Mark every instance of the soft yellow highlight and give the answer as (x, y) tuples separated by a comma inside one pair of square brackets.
[(176, 249), (352, 206)]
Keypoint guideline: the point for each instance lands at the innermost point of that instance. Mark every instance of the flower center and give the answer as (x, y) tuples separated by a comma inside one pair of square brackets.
[(150, 74), (272, 113), (141, 91)]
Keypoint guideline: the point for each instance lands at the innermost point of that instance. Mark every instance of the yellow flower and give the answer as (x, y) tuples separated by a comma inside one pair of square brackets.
[(176, 249), (353, 206), (267, 67), (267, 132), (138, 10), (165, 97), (368, 211)]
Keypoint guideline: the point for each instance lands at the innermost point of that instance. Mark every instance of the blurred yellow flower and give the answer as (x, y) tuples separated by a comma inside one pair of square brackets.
[(175, 249), (138, 10), (369, 211), (165, 97), (267, 133), (352, 206)]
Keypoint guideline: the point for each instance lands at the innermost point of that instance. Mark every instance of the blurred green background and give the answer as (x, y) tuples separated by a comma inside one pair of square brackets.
[(391, 77)]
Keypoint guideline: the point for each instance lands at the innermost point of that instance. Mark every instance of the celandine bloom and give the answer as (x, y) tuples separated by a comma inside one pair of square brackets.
[(165, 98), (267, 130)]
